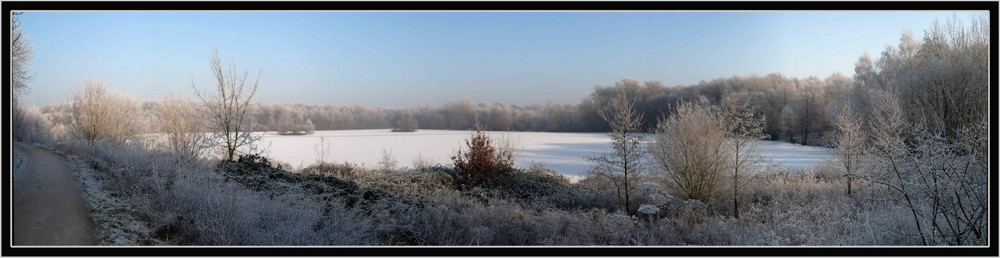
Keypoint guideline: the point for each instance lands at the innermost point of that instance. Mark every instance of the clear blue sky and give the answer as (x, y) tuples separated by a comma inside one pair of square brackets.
[(426, 58)]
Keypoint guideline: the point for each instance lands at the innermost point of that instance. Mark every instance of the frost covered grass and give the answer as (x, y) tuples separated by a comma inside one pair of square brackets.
[(147, 197), (142, 196), (113, 222)]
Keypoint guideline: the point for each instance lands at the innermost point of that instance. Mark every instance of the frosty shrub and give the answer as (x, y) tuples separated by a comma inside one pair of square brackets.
[(185, 134), (344, 170), (689, 149), (31, 125), (322, 150), (388, 163), (647, 187), (414, 185), (650, 210), (422, 163), (481, 162), (659, 199), (103, 114)]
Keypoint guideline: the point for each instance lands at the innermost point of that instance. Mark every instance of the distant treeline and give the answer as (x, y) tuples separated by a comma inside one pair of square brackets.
[(793, 106)]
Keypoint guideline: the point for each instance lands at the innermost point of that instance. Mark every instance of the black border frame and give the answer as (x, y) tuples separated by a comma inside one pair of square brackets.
[(8, 249)]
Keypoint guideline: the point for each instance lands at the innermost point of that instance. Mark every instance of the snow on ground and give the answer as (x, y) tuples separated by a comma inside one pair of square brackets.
[(563, 152), (796, 156)]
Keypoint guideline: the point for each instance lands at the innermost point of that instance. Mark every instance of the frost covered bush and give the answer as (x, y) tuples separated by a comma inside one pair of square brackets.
[(690, 149), (103, 114), (30, 125), (538, 186), (342, 170), (650, 210), (482, 162), (411, 185), (647, 187)]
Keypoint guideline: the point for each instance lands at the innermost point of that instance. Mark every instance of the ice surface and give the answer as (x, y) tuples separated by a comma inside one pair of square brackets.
[(563, 152)]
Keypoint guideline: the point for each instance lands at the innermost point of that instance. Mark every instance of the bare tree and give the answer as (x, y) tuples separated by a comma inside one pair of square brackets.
[(788, 122), (942, 180), (690, 149), (20, 53), (626, 155), (746, 128), (227, 107), (807, 110), (184, 133), (102, 114), (850, 141)]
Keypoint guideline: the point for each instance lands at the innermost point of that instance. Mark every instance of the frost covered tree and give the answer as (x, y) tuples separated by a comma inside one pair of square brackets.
[(690, 148), (407, 123), (20, 53), (227, 107), (940, 179), (940, 80), (788, 122), (626, 155), (293, 122), (102, 114), (808, 108), (745, 129), (850, 141), (185, 133)]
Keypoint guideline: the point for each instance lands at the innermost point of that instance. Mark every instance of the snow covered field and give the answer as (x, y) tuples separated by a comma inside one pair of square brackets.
[(562, 152)]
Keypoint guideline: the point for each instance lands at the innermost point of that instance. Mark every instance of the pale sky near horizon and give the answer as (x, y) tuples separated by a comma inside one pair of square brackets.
[(427, 58)]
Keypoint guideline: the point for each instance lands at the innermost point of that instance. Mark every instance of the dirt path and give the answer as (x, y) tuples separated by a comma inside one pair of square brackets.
[(48, 208)]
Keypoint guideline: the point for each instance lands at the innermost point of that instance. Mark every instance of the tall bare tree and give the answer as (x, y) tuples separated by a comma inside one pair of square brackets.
[(625, 158), (746, 128), (850, 141), (227, 107), (20, 54)]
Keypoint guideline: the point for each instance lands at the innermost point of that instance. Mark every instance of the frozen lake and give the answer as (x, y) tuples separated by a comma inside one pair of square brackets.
[(562, 152)]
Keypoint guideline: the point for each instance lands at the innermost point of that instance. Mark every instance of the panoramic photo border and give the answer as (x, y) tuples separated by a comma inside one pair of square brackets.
[(10, 7)]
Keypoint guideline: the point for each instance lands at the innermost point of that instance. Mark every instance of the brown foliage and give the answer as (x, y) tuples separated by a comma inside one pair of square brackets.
[(482, 162)]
